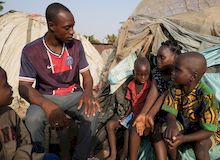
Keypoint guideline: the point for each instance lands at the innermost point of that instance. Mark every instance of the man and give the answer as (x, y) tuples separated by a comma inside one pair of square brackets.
[(54, 63)]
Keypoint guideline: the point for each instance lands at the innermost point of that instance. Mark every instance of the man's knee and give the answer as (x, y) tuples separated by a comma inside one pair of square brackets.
[(34, 122), (35, 117)]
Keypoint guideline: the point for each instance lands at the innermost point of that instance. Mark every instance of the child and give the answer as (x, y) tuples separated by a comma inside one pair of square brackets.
[(15, 141), (161, 81), (193, 105), (137, 91)]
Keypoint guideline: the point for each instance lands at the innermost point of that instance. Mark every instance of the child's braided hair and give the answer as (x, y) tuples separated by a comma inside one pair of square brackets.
[(173, 46)]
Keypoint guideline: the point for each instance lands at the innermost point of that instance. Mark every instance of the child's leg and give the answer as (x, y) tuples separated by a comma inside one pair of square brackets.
[(158, 143), (201, 149), (112, 126), (134, 143), (171, 152), (125, 145), (160, 150)]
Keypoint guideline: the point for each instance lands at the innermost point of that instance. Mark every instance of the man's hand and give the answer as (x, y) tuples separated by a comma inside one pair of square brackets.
[(139, 123), (171, 131), (176, 141), (91, 104), (56, 116), (87, 99), (54, 113)]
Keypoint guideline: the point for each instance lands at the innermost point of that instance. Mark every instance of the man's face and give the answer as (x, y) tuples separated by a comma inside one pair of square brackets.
[(141, 73), (181, 74), (62, 26), (5, 90)]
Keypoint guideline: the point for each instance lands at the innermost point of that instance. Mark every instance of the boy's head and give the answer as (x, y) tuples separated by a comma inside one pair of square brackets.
[(141, 69), (5, 89), (189, 68), (167, 53)]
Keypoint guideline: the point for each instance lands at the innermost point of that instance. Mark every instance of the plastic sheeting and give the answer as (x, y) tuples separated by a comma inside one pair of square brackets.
[(96, 62), (212, 76), (121, 72), (17, 29), (205, 21)]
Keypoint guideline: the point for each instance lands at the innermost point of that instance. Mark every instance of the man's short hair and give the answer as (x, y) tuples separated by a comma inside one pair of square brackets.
[(53, 9)]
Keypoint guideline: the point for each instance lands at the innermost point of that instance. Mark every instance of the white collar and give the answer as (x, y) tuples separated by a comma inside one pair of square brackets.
[(52, 52)]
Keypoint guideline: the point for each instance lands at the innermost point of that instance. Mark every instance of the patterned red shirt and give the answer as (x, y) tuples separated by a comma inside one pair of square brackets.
[(54, 74)]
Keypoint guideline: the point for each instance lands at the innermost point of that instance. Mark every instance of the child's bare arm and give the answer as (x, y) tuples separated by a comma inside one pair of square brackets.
[(157, 105), (197, 136), (172, 128), (151, 98), (149, 120)]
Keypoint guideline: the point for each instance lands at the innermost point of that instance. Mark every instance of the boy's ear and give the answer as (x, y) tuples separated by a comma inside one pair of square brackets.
[(133, 72), (194, 76)]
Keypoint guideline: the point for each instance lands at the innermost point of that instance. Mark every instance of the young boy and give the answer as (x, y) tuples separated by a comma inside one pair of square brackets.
[(192, 109), (15, 140), (137, 91)]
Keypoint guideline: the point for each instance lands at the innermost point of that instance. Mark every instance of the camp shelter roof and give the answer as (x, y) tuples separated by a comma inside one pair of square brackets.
[(17, 29), (161, 8), (143, 32)]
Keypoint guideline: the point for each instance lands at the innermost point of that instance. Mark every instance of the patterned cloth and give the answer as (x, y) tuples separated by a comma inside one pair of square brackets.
[(197, 110), (137, 99), (162, 83)]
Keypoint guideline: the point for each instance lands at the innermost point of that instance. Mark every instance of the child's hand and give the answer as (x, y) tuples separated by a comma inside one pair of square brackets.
[(139, 123), (171, 131), (176, 141), (140, 127)]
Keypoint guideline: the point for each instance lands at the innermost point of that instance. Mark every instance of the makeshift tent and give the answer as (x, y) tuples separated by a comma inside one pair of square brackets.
[(144, 33), (193, 23), (16, 30)]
